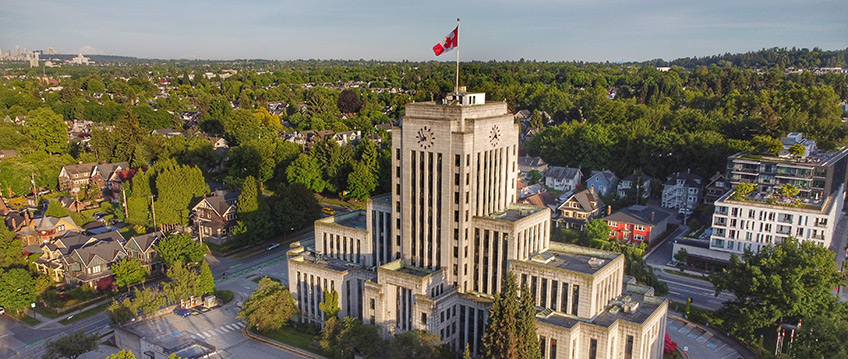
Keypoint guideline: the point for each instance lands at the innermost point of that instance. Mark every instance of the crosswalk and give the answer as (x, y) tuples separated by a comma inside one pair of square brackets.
[(234, 327)]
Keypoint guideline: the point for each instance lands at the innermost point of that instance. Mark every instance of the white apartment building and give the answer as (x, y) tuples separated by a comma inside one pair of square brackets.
[(754, 223), (431, 254), (682, 190)]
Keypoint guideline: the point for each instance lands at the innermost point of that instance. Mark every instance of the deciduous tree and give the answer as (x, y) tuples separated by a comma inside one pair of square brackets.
[(269, 307), (17, 289), (129, 271), (47, 129), (788, 280), (180, 247), (71, 346), (55, 209), (305, 170)]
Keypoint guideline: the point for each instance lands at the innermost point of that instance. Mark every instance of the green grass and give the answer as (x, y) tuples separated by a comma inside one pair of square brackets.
[(44, 312), (682, 274), (85, 314), (28, 319), (224, 295), (294, 337)]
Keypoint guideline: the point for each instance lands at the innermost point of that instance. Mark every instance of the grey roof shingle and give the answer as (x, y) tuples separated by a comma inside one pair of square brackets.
[(561, 172), (638, 214)]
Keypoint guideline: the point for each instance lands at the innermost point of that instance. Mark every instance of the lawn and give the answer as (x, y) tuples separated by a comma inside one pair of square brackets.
[(27, 319), (294, 337), (85, 314), (683, 274)]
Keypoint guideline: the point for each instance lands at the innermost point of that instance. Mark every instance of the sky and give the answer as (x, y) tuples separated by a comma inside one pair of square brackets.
[(393, 30)]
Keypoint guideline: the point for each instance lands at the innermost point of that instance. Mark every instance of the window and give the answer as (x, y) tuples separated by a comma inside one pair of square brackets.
[(372, 303), (628, 348), (424, 318), (542, 342), (593, 348), (553, 348), (639, 227), (613, 223)]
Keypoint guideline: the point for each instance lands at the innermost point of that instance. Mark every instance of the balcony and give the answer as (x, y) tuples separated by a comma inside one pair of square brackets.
[(722, 222), (820, 224), (818, 236)]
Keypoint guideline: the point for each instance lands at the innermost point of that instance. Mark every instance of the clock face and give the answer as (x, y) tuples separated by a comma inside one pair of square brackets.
[(494, 135), (425, 137)]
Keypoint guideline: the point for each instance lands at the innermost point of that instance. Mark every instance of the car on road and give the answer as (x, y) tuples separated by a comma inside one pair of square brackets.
[(328, 210), (272, 246), (182, 312), (2, 310)]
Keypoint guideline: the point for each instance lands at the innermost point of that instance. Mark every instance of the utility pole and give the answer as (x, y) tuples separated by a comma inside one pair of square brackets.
[(124, 199)]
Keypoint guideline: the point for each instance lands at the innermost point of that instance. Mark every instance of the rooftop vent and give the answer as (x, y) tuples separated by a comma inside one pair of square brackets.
[(631, 307), (595, 262)]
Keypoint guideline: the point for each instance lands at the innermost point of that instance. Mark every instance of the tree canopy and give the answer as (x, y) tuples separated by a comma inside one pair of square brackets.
[(269, 307), (789, 280)]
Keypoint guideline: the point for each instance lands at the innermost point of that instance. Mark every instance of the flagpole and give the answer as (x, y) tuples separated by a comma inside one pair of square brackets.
[(456, 85)]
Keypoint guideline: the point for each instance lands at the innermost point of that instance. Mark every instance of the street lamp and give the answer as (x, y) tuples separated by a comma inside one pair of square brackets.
[(33, 309)]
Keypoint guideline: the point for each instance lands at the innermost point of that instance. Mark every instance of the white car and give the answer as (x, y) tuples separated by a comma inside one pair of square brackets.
[(2, 310), (275, 245)]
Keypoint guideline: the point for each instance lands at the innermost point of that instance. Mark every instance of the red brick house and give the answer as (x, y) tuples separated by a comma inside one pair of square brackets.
[(637, 224)]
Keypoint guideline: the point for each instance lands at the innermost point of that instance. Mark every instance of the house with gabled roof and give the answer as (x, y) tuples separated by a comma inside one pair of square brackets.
[(143, 248), (58, 256), (639, 182), (214, 217), (683, 191), (563, 178), (73, 178), (715, 188), (46, 228), (530, 163), (604, 182), (92, 262), (579, 208)]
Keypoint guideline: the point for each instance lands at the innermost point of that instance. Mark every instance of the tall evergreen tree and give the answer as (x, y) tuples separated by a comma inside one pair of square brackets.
[(529, 343), (254, 222), (500, 339), (205, 281)]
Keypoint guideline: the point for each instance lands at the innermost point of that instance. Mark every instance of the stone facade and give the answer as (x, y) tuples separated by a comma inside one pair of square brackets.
[(431, 254)]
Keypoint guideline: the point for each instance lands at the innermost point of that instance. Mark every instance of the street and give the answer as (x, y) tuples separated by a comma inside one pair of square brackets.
[(21, 340)]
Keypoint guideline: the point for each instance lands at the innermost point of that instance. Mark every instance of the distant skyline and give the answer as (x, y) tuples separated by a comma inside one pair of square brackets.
[(566, 30)]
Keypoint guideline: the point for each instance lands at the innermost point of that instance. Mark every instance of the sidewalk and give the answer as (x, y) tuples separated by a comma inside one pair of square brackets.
[(703, 341), (45, 321)]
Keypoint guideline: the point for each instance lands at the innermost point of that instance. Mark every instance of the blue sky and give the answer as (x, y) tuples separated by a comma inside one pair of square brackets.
[(587, 30)]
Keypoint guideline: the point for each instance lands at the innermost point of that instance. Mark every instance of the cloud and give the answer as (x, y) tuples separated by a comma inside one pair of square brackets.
[(90, 50)]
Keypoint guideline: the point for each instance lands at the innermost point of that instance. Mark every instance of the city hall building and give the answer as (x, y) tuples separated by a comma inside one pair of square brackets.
[(431, 254)]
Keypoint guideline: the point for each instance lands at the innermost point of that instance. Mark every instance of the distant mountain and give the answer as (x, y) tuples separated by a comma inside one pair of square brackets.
[(765, 58)]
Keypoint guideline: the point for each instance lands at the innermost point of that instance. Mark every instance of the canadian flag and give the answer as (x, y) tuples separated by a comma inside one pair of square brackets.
[(450, 42)]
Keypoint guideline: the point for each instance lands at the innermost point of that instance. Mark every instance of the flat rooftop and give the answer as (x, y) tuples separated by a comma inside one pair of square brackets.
[(355, 220), (815, 158), (647, 306), (515, 212), (574, 258)]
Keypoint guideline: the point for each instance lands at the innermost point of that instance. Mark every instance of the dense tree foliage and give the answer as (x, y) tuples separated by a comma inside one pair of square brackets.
[(129, 271), (17, 289), (511, 330), (71, 346), (180, 247), (788, 281), (269, 307)]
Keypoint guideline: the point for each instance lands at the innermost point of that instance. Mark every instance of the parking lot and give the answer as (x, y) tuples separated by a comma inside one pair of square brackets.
[(699, 343)]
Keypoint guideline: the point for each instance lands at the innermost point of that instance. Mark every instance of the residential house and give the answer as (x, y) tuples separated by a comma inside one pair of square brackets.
[(347, 137), (214, 217), (604, 182), (74, 178), (523, 115), (143, 248), (15, 220), (579, 208), (542, 199), (167, 132), (683, 191), (641, 183), (717, 187), (563, 178), (93, 262), (526, 164), (117, 181), (4, 154), (217, 142), (64, 259), (525, 191), (104, 173), (637, 224), (45, 228), (70, 203)]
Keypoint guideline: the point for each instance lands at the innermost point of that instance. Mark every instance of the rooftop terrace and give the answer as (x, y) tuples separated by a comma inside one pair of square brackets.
[(515, 212), (574, 258), (355, 220)]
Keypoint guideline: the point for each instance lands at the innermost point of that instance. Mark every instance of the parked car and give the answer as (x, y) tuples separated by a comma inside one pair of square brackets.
[(2, 310), (272, 246), (182, 312), (328, 210)]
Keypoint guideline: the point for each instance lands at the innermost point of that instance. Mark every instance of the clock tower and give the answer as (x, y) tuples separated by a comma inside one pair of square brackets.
[(453, 160)]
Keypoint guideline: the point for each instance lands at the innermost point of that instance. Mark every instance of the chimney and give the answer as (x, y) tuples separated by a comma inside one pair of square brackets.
[(652, 216), (14, 224)]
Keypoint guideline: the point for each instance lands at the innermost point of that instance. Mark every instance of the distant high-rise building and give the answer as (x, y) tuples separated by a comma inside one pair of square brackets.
[(431, 254)]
